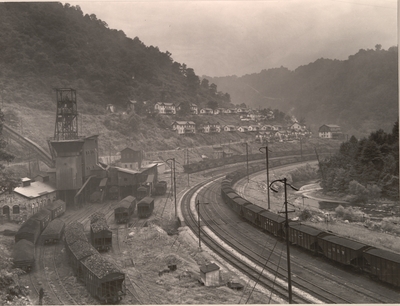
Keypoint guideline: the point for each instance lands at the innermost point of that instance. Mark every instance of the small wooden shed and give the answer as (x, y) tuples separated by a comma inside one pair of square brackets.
[(210, 275)]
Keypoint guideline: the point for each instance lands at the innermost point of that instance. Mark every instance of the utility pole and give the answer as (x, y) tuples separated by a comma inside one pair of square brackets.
[(301, 150), (284, 181), (173, 172), (267, 166), (247, 160), (198, 220), (188, 178)]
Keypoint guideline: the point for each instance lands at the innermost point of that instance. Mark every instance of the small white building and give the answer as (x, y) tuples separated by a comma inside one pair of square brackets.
[(184, 127), (165, 108), (210, 275), (330, 131)]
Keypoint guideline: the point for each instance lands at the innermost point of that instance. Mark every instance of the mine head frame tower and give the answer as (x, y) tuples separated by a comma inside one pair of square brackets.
[(66, 126)]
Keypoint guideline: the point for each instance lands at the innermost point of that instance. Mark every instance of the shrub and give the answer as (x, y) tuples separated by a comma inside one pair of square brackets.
[(351, 214), (359, 192)]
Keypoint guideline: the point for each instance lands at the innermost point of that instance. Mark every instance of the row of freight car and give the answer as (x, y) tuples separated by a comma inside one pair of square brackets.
[(378, 263), (101, 278), (126, 208), (44, 226)]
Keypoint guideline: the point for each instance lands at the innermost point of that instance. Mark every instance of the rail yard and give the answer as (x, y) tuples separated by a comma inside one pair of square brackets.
[(120, 236)]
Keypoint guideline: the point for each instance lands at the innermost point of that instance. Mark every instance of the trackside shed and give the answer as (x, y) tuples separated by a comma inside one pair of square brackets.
[(210, 275)]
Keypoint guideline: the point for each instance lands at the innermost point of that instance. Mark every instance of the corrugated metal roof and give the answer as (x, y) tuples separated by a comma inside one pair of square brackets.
[(35, 190), (126, 170), (209, 268), (384, 254)]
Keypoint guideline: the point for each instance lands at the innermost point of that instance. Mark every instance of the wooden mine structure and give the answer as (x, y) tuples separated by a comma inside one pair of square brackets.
[(66, 126)]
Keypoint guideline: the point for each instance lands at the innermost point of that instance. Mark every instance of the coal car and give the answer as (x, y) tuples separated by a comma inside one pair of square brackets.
[(306, 236), (383, 265), (44, 218), (145, 207), (29, 230), (100, 235), (53, 232), (342, 250), (24, 255), (57, 208), (160, 188), (125, 209), (102, 279)]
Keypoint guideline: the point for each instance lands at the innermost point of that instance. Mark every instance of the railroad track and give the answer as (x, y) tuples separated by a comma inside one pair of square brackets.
[(63, 295), (274, 264), (340, 282), (243, 266), (315, 290)]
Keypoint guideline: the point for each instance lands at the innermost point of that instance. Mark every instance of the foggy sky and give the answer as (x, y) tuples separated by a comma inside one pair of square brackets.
[(219, 38)]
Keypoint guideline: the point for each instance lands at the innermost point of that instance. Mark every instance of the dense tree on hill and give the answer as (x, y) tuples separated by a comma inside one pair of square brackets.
[(51, 45), (8, 181), (365, 169)]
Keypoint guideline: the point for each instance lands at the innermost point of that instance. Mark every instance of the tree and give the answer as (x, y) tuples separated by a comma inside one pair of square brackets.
[(8, 181), (204, 83), (212, 104), (184, 109), (213, 89)]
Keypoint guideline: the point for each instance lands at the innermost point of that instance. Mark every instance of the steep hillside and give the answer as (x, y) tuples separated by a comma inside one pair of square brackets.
[(51, 45), (360, 94)]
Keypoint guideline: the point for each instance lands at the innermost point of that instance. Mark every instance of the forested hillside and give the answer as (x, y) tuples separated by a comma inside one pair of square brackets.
[(360, 94), (366, 169), (50, 45)]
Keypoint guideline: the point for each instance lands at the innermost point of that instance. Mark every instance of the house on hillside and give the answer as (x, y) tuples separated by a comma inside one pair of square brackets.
[(211, 128), (165, 108), (243, 129), (194, 109), (266, 127), (330, 131), (230, 111), (254, 128), (295, 126), (206, 111), (229, 128), (241, 110), (184, 127)]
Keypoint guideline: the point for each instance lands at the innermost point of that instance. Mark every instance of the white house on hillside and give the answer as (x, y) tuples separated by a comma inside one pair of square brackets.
[(184, 127), (165, 108)]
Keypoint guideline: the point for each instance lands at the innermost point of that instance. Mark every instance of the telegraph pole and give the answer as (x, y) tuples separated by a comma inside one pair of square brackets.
[(267, 166), (198, 220), (187, 150), (247, 160), (173, 169), (285, 183)]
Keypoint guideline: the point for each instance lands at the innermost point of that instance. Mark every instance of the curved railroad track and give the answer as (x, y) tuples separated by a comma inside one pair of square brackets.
[(226, 225)]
